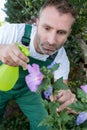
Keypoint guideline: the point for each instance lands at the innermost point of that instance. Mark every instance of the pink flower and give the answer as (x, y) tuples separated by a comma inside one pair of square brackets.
[(84, 88), (34, 78)]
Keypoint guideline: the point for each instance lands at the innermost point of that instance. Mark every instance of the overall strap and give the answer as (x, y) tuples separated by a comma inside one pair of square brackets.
[(49, 60), (52, 57), (26, 38)]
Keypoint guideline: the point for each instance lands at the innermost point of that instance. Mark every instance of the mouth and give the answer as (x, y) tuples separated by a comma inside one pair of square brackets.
[(49, 49)]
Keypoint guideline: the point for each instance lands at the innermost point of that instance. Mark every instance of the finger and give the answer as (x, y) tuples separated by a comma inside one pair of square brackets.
[(66, 103), (59, 95), (67, 97), (63, 106), (63, 95), (9, 61), (70, 110), (20, 55), (19, 62), (15, 60), (17, 52)]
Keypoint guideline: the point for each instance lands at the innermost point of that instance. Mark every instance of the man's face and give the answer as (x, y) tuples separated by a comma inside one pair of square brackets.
[(53, 29)]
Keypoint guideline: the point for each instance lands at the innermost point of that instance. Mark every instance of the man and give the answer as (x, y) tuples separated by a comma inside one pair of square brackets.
[(52, 29)]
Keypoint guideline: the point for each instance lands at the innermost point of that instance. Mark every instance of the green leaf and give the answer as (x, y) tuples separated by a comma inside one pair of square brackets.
[(52, 107), (44, 85), (55, 67), (59, 84), (78, 106), (48, 121), (81, 93)]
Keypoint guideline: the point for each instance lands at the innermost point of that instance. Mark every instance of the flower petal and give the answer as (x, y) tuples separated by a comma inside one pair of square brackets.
[(34, 78), (84, 88), (48, 93), (36, 67), (81, 118)]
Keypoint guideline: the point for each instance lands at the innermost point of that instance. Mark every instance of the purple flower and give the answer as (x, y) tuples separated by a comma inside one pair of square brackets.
[(34, 78), (84, 88), (48, 93), (81, 118)]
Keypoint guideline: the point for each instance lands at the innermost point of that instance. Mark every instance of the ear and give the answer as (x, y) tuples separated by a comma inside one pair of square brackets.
[(37, 21)]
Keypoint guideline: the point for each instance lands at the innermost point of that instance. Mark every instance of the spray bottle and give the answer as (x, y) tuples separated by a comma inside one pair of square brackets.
[(10, 74)]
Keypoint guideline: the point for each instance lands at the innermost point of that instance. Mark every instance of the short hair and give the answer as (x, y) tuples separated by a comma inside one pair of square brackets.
[(63, 6)]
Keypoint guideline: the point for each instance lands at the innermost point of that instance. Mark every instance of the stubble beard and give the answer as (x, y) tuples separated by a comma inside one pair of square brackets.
[(43, 50)]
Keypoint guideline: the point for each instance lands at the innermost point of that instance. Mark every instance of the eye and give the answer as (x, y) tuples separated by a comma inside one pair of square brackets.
[(60, 32), (47, 28)]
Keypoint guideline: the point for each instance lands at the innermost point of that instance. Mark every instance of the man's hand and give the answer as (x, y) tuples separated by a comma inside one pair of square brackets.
[(65, 97), (12, 55)]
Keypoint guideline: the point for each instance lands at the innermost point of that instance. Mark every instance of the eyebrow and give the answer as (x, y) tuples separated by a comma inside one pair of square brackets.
[(45, 25), (60, 30), (64, 31)]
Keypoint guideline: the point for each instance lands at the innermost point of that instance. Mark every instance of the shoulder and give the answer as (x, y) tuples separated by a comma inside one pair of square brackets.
[(61, 51), (64, 64), (33, 31), (12, 26), (61, 55), (10, 33)]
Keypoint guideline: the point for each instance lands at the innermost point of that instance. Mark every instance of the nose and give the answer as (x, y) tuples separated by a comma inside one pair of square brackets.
[(52, 38)]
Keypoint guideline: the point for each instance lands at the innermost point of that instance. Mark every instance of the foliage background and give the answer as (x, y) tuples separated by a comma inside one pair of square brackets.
[(20, 11)]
